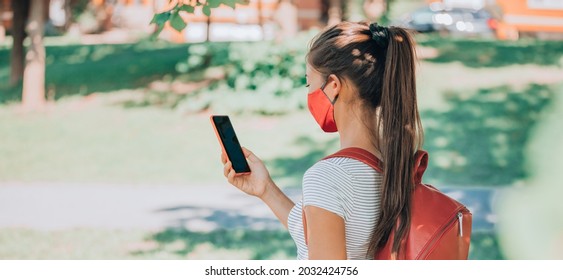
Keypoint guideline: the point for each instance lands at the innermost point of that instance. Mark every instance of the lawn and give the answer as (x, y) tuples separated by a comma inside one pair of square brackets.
[(101, 138)]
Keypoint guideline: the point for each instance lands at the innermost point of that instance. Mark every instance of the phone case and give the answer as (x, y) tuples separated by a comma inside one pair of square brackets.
[(221, 142)]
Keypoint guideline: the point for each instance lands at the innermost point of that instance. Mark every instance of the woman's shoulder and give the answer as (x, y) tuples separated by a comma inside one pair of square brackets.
[(338, 172), (340, 175), (335, 183), (340, 166)]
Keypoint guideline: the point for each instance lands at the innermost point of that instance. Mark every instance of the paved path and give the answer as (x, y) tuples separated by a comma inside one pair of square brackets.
[(198, 208)]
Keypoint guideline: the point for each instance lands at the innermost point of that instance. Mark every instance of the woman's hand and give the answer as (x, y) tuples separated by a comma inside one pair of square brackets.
[(259, 183), (254, 183)]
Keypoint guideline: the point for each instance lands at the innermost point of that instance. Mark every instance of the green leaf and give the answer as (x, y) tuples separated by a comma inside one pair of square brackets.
[(215, 3), (160, 19), (230, 3), (187, 8), (177, 22), (207, 10)]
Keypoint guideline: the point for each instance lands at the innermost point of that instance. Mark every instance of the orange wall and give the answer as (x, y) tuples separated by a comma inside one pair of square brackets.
[(519, 16)]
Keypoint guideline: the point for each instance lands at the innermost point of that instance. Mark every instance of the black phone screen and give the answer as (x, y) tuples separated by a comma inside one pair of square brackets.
[(230, 142)]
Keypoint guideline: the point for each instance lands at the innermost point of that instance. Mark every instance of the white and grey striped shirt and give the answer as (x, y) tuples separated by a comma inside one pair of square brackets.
[(348, 188)]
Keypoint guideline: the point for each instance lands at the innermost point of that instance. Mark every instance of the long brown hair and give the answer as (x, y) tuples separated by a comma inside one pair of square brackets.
[(381, 66)]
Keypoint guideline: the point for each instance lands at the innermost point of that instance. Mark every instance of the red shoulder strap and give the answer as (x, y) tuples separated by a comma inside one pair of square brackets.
[(420, 164), (359, 154), (420, 160)]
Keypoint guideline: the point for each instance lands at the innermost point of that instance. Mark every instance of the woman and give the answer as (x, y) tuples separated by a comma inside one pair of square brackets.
[(362, 81)]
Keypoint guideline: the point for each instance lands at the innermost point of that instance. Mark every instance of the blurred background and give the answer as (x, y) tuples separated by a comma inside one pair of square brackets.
[(107, 152)]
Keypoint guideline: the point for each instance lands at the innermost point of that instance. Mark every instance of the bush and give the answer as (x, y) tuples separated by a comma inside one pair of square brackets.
[(259, 77)]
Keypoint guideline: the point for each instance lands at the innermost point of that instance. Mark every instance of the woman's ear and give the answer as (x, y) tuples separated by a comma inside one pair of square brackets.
[(333, 87)]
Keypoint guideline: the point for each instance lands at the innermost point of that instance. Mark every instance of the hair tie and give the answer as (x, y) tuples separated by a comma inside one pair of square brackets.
[(380, 34)]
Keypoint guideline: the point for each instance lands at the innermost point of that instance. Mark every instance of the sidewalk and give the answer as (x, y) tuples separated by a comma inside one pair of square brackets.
[(65, 206), (196, 208)]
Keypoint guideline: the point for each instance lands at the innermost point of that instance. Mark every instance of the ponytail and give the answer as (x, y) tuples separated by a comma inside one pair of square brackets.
[(401, 135), (379, 61)]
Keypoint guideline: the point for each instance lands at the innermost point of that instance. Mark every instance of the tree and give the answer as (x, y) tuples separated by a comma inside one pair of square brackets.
[(33, 96), (355, 10), (20, 10), (2, 28), (334, 12), (33, 70)]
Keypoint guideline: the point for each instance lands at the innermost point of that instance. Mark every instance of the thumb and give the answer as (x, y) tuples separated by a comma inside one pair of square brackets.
[(249, 155)]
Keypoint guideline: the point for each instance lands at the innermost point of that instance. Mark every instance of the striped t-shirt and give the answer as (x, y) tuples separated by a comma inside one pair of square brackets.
[(348, 188)]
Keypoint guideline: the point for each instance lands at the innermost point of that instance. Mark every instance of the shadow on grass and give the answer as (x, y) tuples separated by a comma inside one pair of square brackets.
[(480, 140), (265, 244), (258, 234), (212, 218), (486, 53), (83, 69), (295, 167), (262, 244)]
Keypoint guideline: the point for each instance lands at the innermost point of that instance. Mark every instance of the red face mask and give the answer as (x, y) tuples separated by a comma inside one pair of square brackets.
[(322, 109)]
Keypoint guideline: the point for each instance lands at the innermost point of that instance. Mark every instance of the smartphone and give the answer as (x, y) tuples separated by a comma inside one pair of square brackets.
[(229, 143)]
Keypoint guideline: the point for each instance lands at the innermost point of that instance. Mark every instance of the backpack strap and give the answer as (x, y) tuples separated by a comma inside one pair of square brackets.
[(361, 155), (420, 164), (420, 160)]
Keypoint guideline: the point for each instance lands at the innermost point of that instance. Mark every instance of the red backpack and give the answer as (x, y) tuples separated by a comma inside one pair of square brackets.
[(440, 226)]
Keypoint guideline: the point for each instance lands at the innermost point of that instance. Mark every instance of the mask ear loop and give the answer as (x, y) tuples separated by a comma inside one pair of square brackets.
[(323, 90)]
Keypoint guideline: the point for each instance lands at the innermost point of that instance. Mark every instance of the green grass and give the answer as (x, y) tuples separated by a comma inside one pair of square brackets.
[(488, 53), (479, 139), (82, 142), (22, 244), (102, 139)]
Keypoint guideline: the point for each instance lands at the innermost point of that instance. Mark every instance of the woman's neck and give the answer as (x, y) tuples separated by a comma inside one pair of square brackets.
[(355, 134)]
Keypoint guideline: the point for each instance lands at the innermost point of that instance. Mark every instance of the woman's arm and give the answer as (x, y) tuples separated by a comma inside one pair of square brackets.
[(278, 202), (326, 235), (259, 183)]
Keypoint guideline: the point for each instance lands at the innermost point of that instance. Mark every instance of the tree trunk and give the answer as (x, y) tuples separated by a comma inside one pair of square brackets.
[(68, 14), (34, 74), (20, 10), (2, 28), (375, 9), (286, 17), (260, 19), (208, 30), (334, 12), (355, 10)]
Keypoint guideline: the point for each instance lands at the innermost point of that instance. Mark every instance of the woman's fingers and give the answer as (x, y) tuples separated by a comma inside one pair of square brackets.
[(223, 158), (249, 155), (227, 168), (231, 176), (246, 151)]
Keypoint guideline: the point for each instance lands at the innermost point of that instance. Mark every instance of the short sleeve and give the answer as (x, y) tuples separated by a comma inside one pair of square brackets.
[(326, 185)]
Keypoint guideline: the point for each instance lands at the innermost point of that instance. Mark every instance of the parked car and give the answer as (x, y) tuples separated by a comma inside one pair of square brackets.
[(455, 21)]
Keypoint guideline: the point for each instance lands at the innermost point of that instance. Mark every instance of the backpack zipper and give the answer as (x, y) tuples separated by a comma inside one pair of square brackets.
[(460, 221), (459, 216)]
